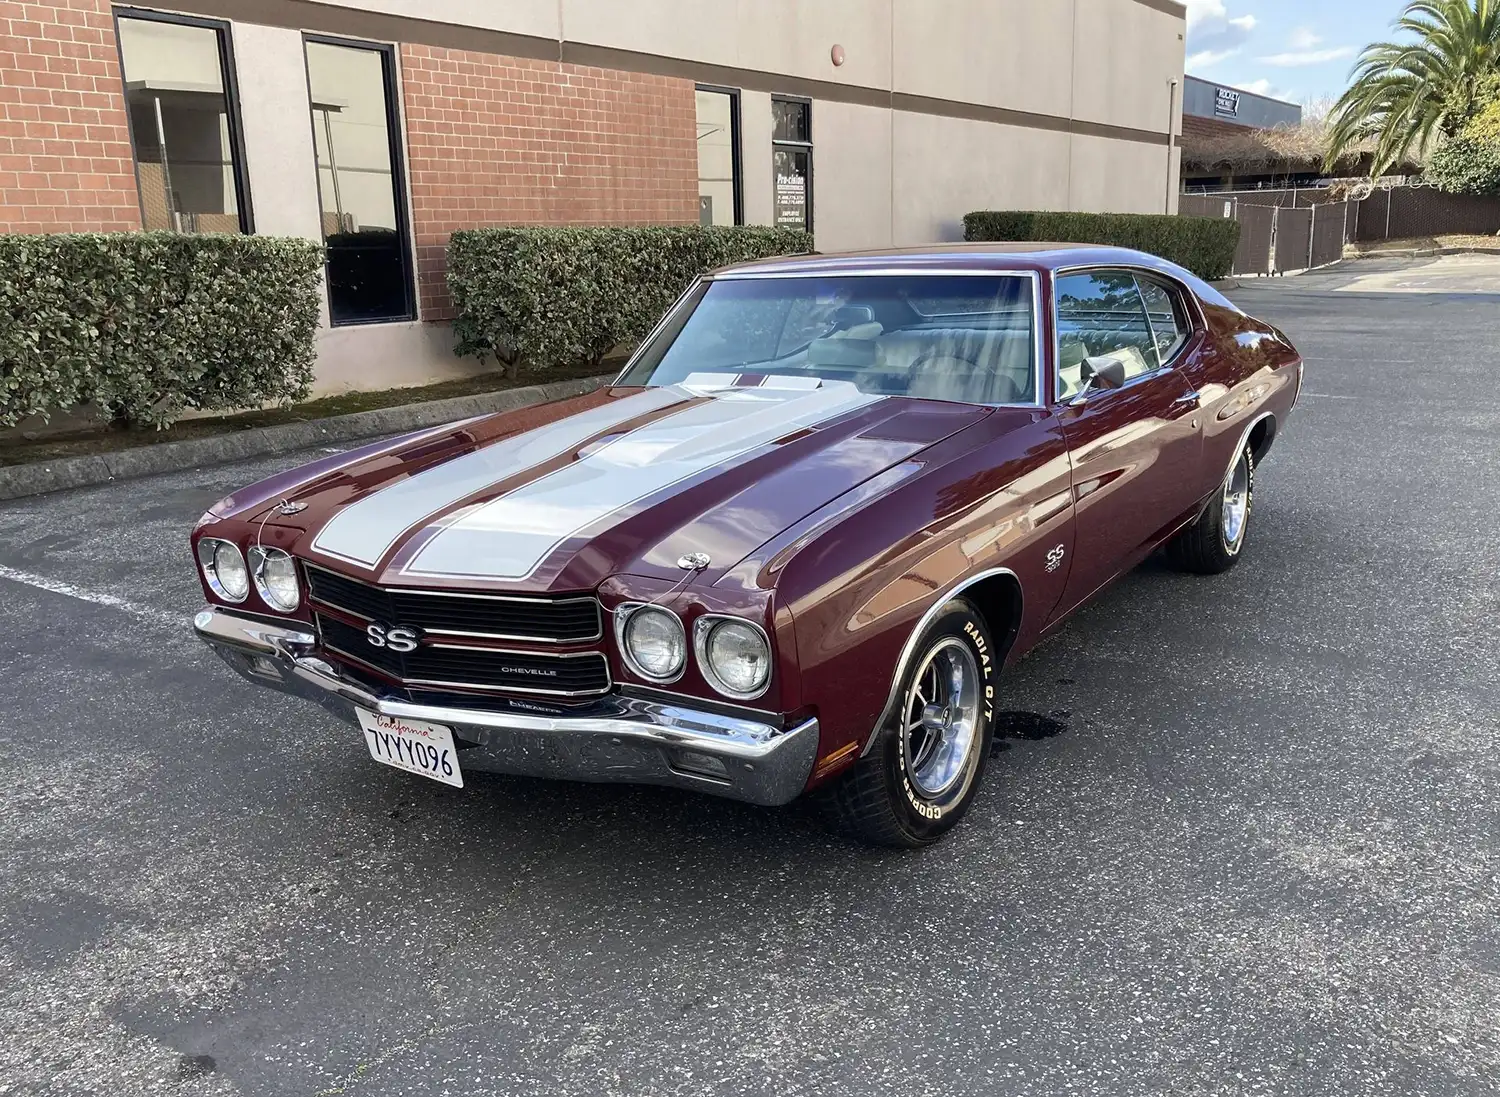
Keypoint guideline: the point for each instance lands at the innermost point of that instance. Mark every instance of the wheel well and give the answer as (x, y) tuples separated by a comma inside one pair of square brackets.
[(999, 598), (1261, 437)]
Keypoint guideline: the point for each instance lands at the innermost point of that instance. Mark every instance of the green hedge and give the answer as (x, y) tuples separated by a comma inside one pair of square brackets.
[(147, 324), (562, 296), (1204, 245)]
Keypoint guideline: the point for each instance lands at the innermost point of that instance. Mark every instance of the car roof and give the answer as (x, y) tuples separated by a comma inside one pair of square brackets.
[(939, 258)]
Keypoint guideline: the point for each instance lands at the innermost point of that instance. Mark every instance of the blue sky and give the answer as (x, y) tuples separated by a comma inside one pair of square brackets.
[(1299, 50)]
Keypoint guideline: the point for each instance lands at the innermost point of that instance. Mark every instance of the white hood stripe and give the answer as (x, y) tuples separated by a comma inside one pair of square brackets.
[(363, 532), (509, 537)]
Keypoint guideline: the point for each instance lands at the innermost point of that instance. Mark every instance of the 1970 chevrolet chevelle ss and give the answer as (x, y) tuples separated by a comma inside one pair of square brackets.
[(792, 547)]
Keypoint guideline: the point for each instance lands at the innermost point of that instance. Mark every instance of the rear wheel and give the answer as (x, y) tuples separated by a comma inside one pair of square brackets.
[(1213, 542), (925, 766)]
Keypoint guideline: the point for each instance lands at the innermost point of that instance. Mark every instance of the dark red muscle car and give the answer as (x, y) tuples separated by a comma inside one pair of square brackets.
[(792, 547)]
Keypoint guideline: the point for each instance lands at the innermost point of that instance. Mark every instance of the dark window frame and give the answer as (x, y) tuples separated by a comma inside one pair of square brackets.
[(396, 138), (736, 166), (238, 165), (803, 146)]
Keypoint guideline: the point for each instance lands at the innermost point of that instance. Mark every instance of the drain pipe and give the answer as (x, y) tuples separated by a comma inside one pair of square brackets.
[(1171, 114)]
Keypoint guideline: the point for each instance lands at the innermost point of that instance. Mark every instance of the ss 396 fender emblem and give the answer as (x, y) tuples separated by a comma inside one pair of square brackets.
[(400, 638), (1055, 557)]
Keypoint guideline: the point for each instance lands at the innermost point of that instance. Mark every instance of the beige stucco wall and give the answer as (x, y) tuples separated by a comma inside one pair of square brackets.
[(755, 157), (1005, 167), (1016, 54), (277, 127), (851, 176)]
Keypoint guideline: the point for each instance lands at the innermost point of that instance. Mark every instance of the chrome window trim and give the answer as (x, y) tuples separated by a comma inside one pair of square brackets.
[(523, 599), (1134, 272), (661, 324), (1056, 327), (702, 627), (622, 615), (475, 686), (908, 650), (1170, 287), (1038, 353)]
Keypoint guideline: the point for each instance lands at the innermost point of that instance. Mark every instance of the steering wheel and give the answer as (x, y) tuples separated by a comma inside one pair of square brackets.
[(938, 365)]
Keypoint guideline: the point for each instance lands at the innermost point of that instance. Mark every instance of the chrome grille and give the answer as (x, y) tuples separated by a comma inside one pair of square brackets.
[(447, 666), (487, 616)]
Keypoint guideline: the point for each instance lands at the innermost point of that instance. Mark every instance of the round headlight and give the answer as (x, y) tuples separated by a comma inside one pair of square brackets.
[(275, 578), (654, 643), (735, 656), (224, 569)]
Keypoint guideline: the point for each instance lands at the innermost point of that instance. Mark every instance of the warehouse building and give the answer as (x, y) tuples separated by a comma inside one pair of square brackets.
[(380, 126)]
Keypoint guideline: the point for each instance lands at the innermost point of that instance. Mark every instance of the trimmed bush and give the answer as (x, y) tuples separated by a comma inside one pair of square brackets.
[(1204, 245), (147, 324), (561, 296)]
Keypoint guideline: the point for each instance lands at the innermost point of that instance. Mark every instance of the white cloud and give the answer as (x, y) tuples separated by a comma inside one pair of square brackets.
[(1304, 38), (1197, 62), (1265, 87), (1211, 29), (1298, 58)]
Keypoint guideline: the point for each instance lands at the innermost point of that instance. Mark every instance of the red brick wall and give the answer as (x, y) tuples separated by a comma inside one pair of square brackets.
[(65, 162), (503, 141)]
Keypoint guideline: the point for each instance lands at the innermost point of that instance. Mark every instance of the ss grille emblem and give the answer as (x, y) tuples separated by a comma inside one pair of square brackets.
[(399, 639)]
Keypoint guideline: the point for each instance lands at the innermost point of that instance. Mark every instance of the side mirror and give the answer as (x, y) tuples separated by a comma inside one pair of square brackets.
[(1099, 373)]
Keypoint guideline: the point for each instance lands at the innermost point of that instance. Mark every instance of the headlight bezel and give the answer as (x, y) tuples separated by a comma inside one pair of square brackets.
[(627, 612), (208, 567), (256, 560), (703, 629)]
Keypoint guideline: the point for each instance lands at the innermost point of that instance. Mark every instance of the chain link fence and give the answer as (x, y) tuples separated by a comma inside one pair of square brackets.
[(1278, 239), (1297, 228)]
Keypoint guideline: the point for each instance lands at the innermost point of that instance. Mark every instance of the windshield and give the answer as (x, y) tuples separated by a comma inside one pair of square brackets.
[(962, 338)]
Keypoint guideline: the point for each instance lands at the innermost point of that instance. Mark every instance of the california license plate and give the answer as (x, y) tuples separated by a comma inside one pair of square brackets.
[(413, 745)]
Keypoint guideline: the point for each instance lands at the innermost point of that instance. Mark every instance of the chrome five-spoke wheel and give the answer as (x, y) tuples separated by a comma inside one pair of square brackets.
[(942, 716), (1236, 503)]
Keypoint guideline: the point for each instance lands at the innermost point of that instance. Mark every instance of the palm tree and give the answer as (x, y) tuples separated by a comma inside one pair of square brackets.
[(1406, 94)]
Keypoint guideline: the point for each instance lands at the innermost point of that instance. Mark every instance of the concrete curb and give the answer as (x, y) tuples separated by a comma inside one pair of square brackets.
[(1423, 253), (38, 477)]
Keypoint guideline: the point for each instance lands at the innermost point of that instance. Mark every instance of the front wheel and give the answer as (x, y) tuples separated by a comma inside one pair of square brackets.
[(924, 768), (1212, 543)]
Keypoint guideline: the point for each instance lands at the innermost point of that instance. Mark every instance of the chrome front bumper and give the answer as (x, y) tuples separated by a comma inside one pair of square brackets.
[(617, 739)]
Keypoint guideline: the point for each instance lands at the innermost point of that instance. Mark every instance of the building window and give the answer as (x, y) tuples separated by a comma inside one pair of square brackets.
[(792, 154), (352, 87), (179, 91), (719, 201)]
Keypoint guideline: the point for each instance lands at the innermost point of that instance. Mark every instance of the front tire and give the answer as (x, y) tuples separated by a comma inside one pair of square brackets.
[(1213, 542), (925, 766)]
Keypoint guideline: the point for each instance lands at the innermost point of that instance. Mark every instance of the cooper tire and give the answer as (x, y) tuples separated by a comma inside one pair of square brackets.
[(1215, 540), (916, 783)]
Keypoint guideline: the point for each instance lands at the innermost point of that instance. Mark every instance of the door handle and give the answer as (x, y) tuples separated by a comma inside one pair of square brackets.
[(1190, 400)]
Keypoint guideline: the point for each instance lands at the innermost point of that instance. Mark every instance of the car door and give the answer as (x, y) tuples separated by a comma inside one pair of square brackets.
[(1134, 450)]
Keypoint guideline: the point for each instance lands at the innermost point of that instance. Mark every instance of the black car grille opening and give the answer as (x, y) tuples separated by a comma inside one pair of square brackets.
[(471, 668), (548, 620)]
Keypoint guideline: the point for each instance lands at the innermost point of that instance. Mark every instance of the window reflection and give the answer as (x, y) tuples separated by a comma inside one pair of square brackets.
[(180, 125), (368, 271), (718, 183), (791, 158)]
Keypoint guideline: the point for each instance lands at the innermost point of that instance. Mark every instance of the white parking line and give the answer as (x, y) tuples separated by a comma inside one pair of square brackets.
[(1331, 395), (99, 598)]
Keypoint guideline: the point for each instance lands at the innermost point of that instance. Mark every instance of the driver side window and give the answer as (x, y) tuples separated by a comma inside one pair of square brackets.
[(1100, 315)]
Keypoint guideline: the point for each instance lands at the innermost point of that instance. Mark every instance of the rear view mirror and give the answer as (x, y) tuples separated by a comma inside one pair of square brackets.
[(1099, 373), (1108, 372)]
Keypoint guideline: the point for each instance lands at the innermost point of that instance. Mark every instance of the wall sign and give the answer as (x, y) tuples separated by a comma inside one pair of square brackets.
[(1226, 101)]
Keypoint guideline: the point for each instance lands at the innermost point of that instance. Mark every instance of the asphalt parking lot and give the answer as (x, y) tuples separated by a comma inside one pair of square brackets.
[(1244, 837)]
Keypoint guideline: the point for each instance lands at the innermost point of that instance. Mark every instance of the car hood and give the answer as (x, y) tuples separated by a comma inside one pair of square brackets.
[(624, 480)]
